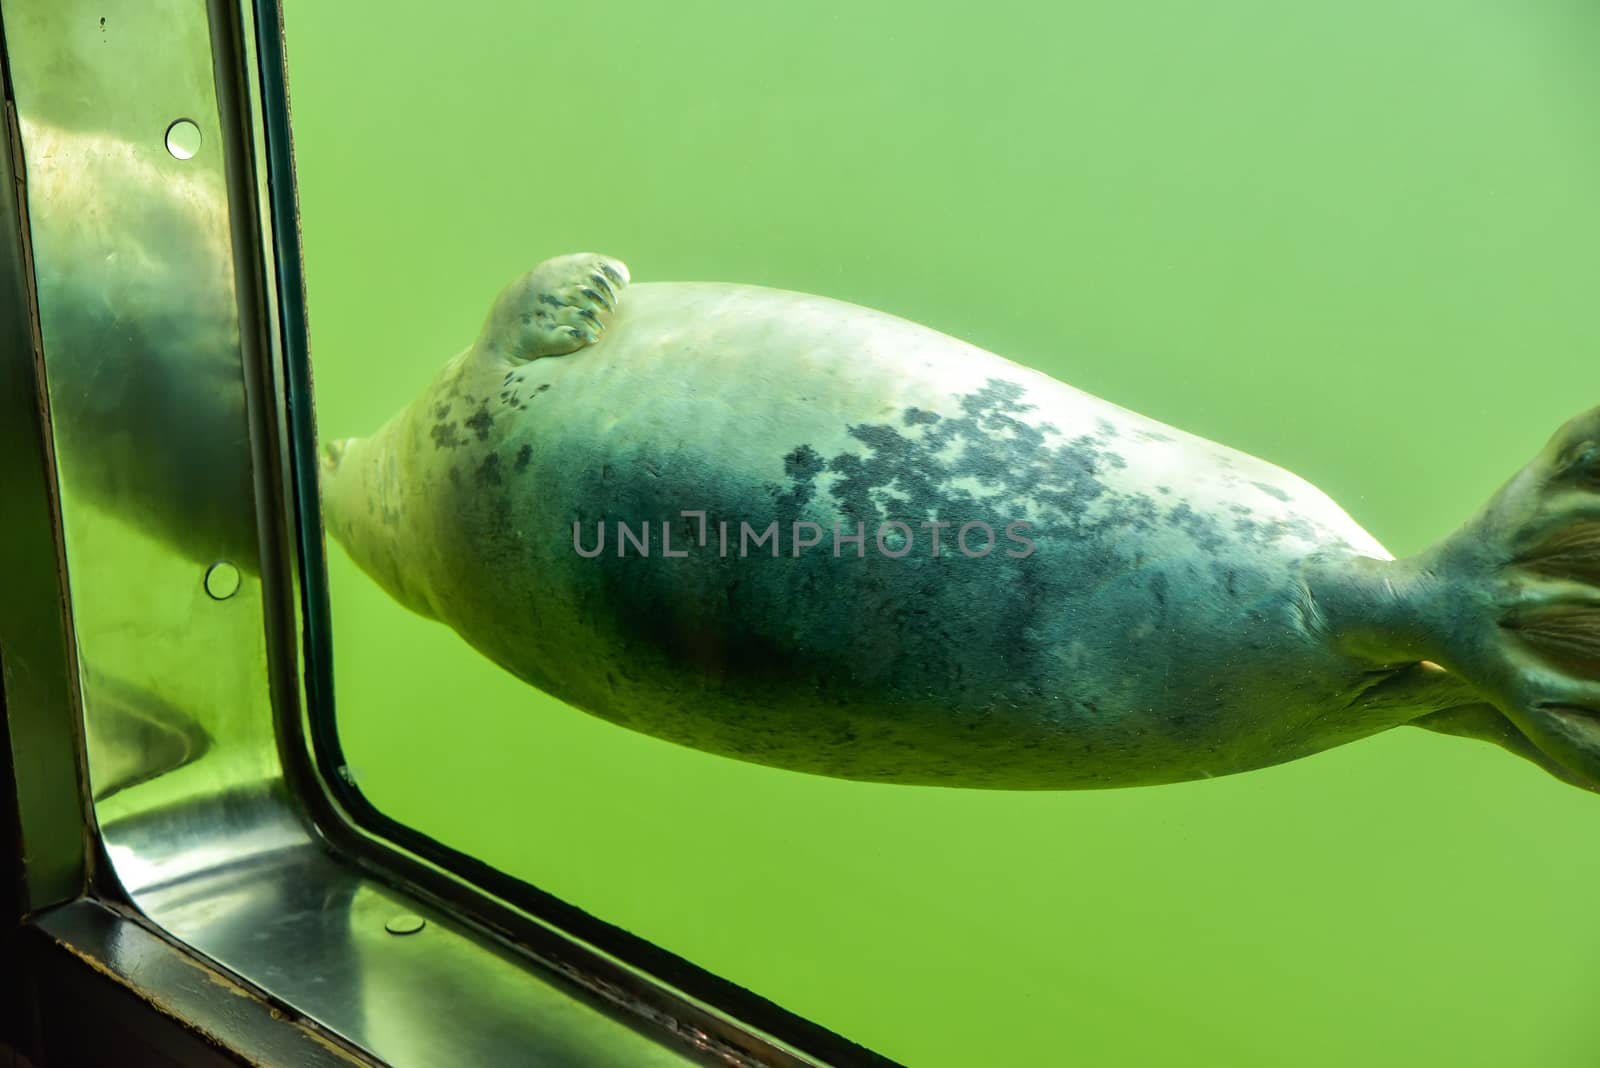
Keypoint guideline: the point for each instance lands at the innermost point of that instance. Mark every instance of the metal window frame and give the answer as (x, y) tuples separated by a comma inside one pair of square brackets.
[(249, 917)]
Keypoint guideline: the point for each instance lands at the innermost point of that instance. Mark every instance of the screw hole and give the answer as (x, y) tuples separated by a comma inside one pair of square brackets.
[(222, 580), (183, 139), (405, 923)]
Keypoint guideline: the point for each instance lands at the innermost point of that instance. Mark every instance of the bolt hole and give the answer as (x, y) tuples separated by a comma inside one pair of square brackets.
[(183, 139), (222, 580), (404, 924)]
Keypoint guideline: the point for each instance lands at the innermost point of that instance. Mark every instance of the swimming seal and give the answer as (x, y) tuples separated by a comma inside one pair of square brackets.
[(810, 535)]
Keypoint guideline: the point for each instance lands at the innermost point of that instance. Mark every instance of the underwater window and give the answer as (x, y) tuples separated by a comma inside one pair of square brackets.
[(1352, 240)]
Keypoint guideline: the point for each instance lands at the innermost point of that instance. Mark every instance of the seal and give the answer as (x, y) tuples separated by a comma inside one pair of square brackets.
[(806, 534)]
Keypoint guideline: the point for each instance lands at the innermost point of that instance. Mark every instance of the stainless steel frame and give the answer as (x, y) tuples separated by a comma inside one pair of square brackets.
[(154, 423), (36, 666)]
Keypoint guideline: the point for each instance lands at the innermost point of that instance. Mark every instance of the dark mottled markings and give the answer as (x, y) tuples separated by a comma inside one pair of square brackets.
[(510, 396), (1271, 490), (1025, 470), (524, 454), (1254, 533), (1229, 579), (489, 471), (803, 463), (1016, 463), (447, 436), (481, 421), (1203, 529)]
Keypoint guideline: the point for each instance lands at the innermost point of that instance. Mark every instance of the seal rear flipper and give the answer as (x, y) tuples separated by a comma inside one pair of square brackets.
[(557, 308), (1511, 602), (1487, 724)]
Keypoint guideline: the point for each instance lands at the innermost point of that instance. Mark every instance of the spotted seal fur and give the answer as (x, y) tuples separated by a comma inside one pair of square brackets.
[(707, 512)]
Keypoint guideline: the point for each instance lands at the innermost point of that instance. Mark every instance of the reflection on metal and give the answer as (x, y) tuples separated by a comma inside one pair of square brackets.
[(316, 935), (36, 676), (138, 737), (141, 333), (148, 1002), (140, 327), (163, 377)]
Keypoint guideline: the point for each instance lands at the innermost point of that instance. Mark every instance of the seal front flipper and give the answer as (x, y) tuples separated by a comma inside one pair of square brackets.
[(1510, 604), (557, 308)]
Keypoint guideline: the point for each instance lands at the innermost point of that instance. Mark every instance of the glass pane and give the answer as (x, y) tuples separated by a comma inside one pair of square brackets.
[(1354, 240)]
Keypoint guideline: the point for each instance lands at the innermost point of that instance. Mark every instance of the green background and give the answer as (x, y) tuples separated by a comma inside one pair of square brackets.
[(1357, 239)]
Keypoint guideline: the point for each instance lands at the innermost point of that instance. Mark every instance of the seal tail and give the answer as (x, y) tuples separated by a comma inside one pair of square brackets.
[(1511, 604)]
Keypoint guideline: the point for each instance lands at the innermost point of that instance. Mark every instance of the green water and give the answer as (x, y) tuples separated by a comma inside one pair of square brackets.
[(1355, 239)]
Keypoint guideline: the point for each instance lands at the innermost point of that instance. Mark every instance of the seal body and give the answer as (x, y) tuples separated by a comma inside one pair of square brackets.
[(712, 517)]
